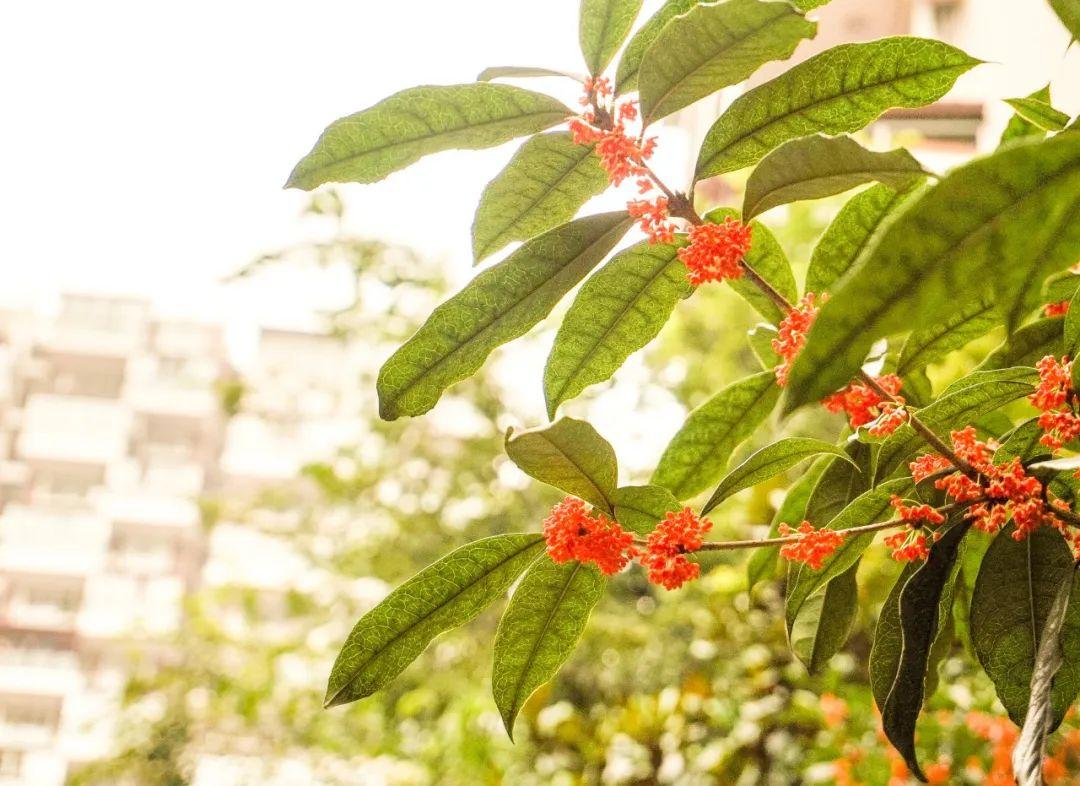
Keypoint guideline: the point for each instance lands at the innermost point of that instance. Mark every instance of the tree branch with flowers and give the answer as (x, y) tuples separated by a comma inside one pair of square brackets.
[(913, 267)]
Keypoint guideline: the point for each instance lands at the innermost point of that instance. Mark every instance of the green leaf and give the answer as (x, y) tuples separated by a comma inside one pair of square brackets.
[(367, 146), (768, 260), (1060, 286), (518, 72), (1039, 113), (541, 626), (618, 311), (1068, 12), (604, 26), (824, 623), (835, 92), (933, 343), (1027, 345), (1022, 443), (851, 233), (762, 562), (818, 166), (569, 455), (640, 508), (442, 596), (761, 337), (808, 5), (1024, 374), (699, 452), (888, 639), (1030, 750), (1013, 596), (497, 306), (1072, 335), (1018, 127), (868, 508), (1005, 220), (953, 410), (923, 614), (713, 46), (769, 462), (626, 76), (545, 184)]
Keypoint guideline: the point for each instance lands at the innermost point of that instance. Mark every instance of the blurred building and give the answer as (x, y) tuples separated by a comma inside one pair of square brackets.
[(110, 433)]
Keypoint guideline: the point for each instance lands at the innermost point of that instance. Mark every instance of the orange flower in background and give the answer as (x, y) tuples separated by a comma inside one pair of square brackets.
[(1056, 309), (653, 219), (834, 709), (716, 251), (791, 336), (678, 534)]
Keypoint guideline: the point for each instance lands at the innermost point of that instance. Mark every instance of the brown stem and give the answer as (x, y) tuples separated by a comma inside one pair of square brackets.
[(728, 545)]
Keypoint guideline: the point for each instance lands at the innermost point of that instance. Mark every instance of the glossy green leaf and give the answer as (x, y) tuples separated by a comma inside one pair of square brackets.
[(699, 452), (544, 185), (1024, 374), (604, 26), (1071, 335), (1018, 127), (497, 306), (1013, 596), (959, 328), (1027, 345), (768, 260), (952, 410), (922, 616), (840, 483), (851, 233), (1039, 113), (518, 72), (762, 562), (888, 639), (761, 337), (1029, 753), (442, 596), (712, 46), (825, 620), (769, 462), (618, 311), (367, 146), (868, 508), (1068, 12), (569, 455), (835, 92), (541, 626), (1023, 442), (626, 76), (1006, 220), (640, 508), (815, 167)]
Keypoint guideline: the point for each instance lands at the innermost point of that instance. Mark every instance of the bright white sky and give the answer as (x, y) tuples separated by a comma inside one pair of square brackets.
[(144, 145)]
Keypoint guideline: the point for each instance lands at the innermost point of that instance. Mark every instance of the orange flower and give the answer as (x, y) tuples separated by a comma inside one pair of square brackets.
[(813, 547), (678, 534), (716, 251)]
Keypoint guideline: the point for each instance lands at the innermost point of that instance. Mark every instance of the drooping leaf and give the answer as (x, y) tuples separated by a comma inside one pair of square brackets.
[(497, 306), (1068, 12), (1027, 345), (851, 233), (626, 76), (1018, 127), (699, 452), (1013, 596), (604, 26), (769, 462), (761, 337), (762, 562), (825, 620), (921, 618), (952, 410), (367, 146), (518, 72), (618, 311), (541, 626), (544, 185), (1039, 113), (640, 508), (818, 166), (1022, 443), (442, 596), (1005, 220), (768, 260), (868, 508), (1030, 750), (888, 640), (569, 455), (840, 483), (712, 46), (1072, 334), (933, 343), (835, 92)]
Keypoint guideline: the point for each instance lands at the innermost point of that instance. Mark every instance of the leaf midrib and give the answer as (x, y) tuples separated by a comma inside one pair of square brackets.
[(869, 174), (390, 642), (903, 368), (586, 475)]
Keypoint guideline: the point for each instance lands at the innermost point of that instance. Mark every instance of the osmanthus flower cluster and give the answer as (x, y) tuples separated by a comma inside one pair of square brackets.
[(573, 532), (876, 273)]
